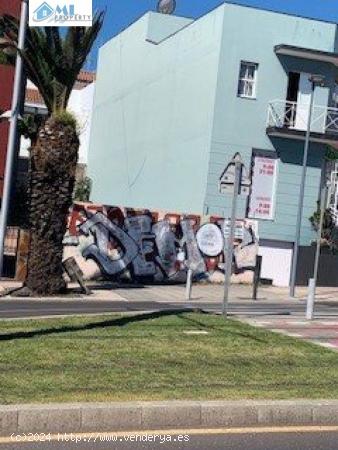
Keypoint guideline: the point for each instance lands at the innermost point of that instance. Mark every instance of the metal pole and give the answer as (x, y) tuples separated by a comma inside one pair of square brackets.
[(13, 130), (257, 276), (229, 250), (189, 285), (310, 299), (301, 199)]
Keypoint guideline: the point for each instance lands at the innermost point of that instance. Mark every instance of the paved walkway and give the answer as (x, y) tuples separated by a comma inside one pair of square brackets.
[(210, 293), (318, 331), (200, 292)]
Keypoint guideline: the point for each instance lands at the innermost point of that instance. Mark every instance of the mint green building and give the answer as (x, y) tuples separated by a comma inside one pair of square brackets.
[(176, 99)]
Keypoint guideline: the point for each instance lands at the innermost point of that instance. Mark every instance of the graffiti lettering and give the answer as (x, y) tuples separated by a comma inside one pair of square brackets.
[(148, 245), (102, 229)]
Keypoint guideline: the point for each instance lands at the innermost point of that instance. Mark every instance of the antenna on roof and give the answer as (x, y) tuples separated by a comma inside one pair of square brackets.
[(166, 6)]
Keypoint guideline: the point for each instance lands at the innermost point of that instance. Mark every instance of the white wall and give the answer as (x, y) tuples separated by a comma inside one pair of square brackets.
[(276, 265), (24, 147), (153, 114), (81, 105)]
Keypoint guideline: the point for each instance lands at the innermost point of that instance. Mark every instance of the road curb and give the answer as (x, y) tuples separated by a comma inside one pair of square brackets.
[(134, 416)]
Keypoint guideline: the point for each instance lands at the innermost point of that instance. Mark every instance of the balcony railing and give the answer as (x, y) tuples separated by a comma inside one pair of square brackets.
[(295, 116), (332, 198)]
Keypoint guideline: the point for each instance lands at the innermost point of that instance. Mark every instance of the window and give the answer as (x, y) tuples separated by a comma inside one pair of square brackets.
[(247, 80)]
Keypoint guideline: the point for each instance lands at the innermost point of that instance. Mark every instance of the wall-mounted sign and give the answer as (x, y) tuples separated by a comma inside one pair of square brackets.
[(241, 225), (210, 240), (227, 179), (263, 191)]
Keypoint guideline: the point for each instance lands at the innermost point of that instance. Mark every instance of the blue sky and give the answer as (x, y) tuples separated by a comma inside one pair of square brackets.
[(121, 13)]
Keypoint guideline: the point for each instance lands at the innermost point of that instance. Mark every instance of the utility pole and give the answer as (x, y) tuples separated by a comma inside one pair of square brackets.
[(235, 181), (229, 250), (316, 80), (13, 130)]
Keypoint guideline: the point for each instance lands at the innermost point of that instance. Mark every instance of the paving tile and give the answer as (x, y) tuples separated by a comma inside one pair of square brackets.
[(322, 333)]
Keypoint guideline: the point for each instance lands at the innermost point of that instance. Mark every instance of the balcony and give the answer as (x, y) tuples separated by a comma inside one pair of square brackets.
[(290, 119)]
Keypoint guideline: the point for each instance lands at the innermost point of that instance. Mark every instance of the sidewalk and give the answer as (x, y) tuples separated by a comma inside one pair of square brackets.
[(105, 290), (319, 331), (206, 293)]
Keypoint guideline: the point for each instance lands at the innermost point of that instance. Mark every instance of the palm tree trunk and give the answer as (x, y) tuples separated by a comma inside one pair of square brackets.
[(52, 176)]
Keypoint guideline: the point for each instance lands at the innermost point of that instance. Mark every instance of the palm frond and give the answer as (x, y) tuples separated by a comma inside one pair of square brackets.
[(52, 60)]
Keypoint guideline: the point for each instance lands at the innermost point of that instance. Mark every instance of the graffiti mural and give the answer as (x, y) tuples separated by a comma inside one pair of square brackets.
[(114, 242)]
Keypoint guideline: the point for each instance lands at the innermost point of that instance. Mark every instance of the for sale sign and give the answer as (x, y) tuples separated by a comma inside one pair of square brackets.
[(263, 193)]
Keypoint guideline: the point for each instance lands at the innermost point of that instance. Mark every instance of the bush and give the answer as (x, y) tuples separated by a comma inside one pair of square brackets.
[(66, 118), (83, 189), (3, 58), (330, 230)]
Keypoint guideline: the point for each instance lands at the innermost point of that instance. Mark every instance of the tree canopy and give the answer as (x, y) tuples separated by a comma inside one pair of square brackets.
[(52, 60)]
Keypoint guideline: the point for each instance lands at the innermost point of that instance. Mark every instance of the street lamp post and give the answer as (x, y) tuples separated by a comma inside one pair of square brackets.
[(316, 80), (13, 130)]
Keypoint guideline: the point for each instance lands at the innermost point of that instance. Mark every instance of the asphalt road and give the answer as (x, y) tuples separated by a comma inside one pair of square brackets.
[(46, 308), (260, 441), (29, 308), (32, 308)]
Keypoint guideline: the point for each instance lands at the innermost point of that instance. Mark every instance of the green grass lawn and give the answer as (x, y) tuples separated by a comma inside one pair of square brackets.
[(151, 357)]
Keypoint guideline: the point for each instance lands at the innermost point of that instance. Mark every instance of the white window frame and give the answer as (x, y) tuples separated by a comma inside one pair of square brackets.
[(247, 81)]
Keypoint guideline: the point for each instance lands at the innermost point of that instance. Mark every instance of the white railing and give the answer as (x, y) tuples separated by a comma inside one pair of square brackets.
[(295, 116), (332, 198)]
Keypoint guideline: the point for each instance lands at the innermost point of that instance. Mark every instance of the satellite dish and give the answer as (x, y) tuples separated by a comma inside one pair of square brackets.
[(166, 6)]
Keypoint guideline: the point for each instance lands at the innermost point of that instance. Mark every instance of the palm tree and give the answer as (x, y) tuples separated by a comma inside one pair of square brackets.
[(52, 62)]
